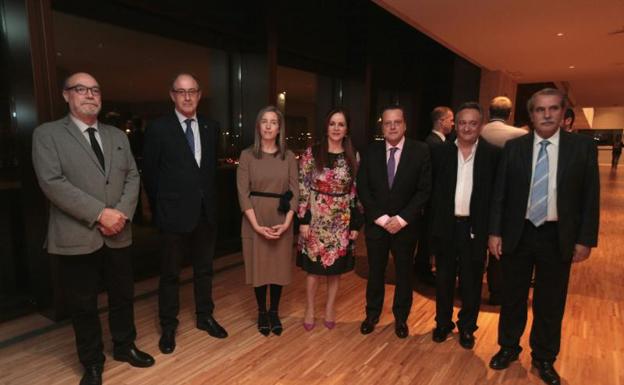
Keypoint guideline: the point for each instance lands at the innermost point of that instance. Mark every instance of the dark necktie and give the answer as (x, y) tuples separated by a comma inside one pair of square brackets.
[(189, 135), (96, 146), (391, 166)]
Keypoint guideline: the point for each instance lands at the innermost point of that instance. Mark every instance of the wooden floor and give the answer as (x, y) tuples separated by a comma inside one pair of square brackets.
[(592, 344)]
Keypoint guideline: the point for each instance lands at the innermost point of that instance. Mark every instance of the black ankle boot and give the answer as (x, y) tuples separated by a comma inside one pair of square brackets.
[(276, 324), (263, 323)]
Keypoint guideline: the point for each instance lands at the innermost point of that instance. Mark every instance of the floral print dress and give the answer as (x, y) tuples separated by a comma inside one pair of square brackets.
[(328, 203)]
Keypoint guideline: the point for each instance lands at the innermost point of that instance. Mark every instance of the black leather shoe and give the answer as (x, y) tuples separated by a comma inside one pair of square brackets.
[(263, 323), (368, 325), (167, 343), (92, 375), (400, 329), (503, 358), (133, 356), (276, 324), (466, 340), (440, 334), (211, 325), (547, 372)]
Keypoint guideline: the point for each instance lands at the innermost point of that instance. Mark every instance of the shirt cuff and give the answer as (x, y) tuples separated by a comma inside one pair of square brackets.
[(401, 221), (381, 221)]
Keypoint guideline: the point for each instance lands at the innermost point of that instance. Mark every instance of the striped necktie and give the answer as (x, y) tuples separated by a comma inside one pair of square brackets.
[(538, 208)]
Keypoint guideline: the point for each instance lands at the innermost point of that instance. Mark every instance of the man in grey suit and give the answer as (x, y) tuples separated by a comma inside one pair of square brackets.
[(87, 172)]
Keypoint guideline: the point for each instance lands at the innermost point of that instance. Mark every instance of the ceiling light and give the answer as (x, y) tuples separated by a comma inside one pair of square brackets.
[(560, 34), (571, 67)]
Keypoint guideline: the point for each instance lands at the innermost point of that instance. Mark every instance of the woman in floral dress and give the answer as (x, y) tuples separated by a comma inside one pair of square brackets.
[(329, 214)]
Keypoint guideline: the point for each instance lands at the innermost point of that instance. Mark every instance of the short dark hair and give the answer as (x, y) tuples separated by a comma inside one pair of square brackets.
[(546, 91), (500, 108), (569, 113), (470, 106), (173, 80), (391, 106), (438, 112)]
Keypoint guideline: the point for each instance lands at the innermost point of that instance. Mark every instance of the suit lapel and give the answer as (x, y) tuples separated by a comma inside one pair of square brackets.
[(403, 162), (205, 140), (565, 152), (107, 147), (381, 160), (75, 132), (526, 157)]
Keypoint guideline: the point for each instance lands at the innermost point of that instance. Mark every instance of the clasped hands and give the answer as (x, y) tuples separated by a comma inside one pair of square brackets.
[(272, 232), (393, 225), (111, 222)]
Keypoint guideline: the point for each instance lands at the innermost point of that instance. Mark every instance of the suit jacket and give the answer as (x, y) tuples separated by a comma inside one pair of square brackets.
[(433, 139), (578, 192), (179, 190), (498, 133), (443, 197), (72, 178), (410, 190)]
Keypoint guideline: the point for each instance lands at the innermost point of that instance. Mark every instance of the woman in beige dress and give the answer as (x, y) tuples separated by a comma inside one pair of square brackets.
[(268, 193)]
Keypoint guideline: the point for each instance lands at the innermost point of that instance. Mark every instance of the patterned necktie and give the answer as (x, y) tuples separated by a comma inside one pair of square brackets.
[(391, 166), (538, 209), (189, 135), (96, 146)]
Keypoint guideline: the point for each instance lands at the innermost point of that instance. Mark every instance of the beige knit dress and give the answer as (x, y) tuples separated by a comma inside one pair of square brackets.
[(266, 261)]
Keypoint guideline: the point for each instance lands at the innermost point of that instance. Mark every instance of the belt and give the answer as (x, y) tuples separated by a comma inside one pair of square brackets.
[(461, 218), (284, 199)]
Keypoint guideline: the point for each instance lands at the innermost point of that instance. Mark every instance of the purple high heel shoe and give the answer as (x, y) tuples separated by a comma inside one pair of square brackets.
[(329, 324)]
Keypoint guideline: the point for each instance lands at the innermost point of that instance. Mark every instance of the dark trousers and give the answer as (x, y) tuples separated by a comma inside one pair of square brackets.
[(494, 277), (80, 277), (538, 248), (455, 259), (198, 246), (402, 245)]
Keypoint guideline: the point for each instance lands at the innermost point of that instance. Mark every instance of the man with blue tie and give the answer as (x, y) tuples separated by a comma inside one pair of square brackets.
[(544, 217), (179, 167), (394, 183)]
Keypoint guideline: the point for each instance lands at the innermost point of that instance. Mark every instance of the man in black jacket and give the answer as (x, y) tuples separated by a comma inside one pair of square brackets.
[(461, 198), (179, 167), (544, 216), (394, 183)]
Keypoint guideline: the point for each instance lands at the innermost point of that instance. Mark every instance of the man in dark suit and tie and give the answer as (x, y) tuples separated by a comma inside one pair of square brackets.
[(442, 118), (544, 217), (179, 167), (394, 183), (461, 198), (87, 172)]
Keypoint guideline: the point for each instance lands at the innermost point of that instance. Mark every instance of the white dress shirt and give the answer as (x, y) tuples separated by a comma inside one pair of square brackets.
[(82, 126), (195, 129), (463, 186), (381, 221), (553, 156)]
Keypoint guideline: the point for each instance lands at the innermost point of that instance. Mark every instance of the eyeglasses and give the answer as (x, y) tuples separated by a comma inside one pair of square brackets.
[(390, 123), (82, 90), (193, 92)]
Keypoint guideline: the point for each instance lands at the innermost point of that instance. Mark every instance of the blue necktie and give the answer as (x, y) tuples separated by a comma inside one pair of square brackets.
[(189, 135), (538, 209), (391, 166)]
